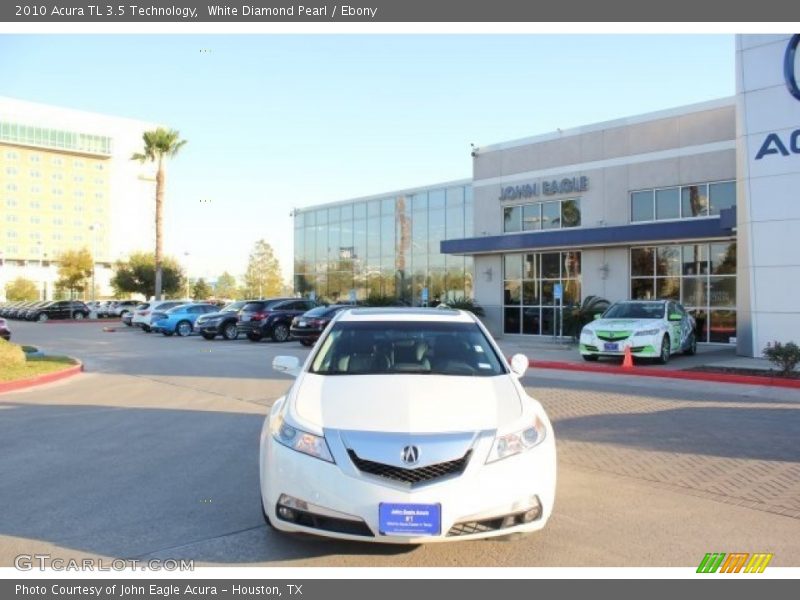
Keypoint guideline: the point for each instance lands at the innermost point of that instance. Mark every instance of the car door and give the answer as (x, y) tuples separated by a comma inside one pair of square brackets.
[(677, 334)]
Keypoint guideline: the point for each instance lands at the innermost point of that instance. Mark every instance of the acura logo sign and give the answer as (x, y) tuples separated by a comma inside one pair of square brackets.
[(410, 455), (790, 66)]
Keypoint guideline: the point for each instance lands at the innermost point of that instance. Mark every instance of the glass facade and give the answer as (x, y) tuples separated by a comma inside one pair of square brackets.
[(529, 304), (701, 276), (682, 202), (16, 133), (542, 215), (387, 246)]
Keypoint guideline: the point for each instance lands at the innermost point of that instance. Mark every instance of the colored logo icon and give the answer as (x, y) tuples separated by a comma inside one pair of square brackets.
[(735, 562), (790, 66)]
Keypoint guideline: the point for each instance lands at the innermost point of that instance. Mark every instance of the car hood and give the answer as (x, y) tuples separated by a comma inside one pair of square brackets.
[(623, 324), (407, 402)]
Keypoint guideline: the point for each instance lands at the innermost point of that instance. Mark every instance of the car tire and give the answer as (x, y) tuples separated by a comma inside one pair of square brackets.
[(79, 316), (280, 333), (254, 337), (307, 343), (42, 317), (183, 328), (663, 358), (691, 349), (229, 332), (208, 336), (590, 357), (146, 328)]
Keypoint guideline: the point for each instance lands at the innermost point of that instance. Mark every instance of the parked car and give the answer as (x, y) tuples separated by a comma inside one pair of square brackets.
[(28, 312), (60, 309), (407, 426), (271, 318), (127, 317), (122, 307), (649, 328), (179, 319), (143, 315), (5, 332), (309, 326), (222, 322)]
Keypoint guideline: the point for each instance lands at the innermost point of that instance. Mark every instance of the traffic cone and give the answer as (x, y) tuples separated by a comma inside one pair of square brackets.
[(627, 362)]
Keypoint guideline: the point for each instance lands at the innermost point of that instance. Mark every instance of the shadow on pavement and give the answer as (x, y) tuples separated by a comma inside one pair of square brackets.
[(133, 482)]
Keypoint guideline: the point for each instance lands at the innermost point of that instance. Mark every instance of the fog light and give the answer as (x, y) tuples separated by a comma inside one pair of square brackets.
[(287, 514), (509, 521), (531, 515)]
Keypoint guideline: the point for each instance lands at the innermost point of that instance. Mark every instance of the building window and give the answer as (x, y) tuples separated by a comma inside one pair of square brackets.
[(684, 202), (11, 187), (701, 276), (529, 280), (11, 203), (36, 174), (11, 171), (11, 218), (542, 215), (34, 158)]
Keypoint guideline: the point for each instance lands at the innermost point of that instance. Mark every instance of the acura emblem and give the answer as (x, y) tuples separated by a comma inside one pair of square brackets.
[(410, 455)]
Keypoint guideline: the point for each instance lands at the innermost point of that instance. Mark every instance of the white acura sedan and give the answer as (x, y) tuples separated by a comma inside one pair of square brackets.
[(407, 426)]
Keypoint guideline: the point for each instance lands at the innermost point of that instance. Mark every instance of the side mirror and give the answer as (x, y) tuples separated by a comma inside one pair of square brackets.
[(519, 364), (287, 364), (675, 317), (597, 316)]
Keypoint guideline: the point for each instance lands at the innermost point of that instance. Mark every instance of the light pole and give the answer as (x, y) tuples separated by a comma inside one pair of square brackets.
[(93, 228)]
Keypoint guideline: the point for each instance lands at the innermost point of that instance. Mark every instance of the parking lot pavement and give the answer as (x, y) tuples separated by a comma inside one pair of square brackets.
[(153, 453)]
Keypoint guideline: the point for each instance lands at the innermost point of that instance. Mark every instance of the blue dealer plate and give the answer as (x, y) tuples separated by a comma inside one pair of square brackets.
[(409, 519), (611, 346)]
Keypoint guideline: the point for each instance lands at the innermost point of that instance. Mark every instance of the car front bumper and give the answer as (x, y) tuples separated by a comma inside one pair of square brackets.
[(481, 494), (640, 346)]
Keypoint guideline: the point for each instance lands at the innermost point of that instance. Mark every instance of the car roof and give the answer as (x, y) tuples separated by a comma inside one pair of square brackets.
[(445, 315)]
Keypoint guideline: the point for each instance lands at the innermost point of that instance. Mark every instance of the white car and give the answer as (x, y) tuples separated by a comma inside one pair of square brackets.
[(144, 312), (650, 328), (406, 426)]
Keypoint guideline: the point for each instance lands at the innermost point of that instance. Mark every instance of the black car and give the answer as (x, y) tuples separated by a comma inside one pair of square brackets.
[(5, 332), (309, 326), (271, 318), (220, 323), (62, 309), (30, 310)]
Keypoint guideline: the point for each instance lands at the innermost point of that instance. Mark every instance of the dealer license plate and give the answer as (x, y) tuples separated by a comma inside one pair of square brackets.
[(302, 324), (613, 347), (410, 519)]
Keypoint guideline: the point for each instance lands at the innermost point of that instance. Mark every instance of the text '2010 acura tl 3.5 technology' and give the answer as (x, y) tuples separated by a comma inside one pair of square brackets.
[(407, 426)]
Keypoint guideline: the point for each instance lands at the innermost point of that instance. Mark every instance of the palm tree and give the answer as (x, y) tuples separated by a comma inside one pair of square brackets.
[(159, 144)]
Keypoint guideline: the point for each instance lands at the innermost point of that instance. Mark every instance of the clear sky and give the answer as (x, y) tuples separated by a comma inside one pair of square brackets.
[(282, 121)]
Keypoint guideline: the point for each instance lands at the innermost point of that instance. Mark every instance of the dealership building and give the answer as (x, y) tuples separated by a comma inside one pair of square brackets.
[(697, 204)]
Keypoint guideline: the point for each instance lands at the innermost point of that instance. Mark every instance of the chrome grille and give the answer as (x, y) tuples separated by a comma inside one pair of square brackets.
[(411, 476)]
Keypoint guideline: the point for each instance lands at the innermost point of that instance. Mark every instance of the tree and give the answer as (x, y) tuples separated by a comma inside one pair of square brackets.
[(159, 144), (137, 275), (201, 290), (263, 277), (226, 286), (74, 269), (21, 289)]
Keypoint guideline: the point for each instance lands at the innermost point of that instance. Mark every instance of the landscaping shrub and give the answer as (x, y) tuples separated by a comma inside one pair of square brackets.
[(784, 356), (11, 355)]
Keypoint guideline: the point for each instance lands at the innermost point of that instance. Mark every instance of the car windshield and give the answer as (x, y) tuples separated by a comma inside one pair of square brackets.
[(440, 348), (635, 310)]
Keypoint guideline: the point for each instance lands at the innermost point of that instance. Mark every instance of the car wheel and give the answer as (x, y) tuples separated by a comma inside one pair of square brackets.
[(229, 332), (691, 348), (307, 342), (146, 328), (42, 317), (280, 333), (78, 316), (663, 358), (208, 336), (590, 357), (183, 328), (254, 337)]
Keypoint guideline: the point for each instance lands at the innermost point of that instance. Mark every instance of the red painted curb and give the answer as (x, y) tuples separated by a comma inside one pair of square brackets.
[(669, 374), (21, 384)]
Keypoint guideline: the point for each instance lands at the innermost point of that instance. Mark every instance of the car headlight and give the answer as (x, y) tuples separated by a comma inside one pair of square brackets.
[(648, 332), (300, 440), (515, 443)]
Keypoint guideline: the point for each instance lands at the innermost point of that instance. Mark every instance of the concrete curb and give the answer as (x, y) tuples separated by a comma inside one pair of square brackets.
[(21, 384), (669, 374)]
